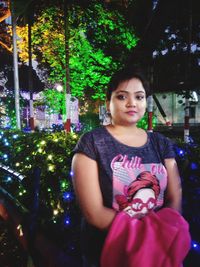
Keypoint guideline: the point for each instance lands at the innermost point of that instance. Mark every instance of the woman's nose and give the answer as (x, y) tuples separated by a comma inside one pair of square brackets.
[(131, 102)]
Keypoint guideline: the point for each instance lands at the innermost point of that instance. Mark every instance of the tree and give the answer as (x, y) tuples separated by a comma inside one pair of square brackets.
[(91, 63), (177, 55)]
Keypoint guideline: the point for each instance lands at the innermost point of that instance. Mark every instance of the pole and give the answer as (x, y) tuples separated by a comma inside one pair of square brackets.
[(188, 77), (150, 104), (15, 67), (67, 123), (186, 120), (167, 121), (150, 113)]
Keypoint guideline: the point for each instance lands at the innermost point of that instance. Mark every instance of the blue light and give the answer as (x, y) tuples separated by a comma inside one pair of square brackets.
[(15, 136), (196, 246), (181, 152), (67, 221), (71, 173), (8, 179), (67, 196), (5, 156), (194, 166)]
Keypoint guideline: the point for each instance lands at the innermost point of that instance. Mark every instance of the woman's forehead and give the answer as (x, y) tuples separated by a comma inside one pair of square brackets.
[(133, 84)]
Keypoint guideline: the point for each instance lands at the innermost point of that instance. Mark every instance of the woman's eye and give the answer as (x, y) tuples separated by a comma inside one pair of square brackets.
[(140, 97), (121, 97)]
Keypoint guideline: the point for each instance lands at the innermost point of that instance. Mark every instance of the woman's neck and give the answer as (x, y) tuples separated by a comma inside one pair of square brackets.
[(131, 136), (121, 129)]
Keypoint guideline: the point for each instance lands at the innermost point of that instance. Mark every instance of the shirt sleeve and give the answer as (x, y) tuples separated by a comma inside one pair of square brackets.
[(86, 146), (166, 146)]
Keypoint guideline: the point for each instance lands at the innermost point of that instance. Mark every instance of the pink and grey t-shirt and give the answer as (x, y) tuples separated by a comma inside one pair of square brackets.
[(131, 178)]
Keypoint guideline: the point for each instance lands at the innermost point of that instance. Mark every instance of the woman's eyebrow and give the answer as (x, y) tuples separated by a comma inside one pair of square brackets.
[(127, 92), (122, 91)]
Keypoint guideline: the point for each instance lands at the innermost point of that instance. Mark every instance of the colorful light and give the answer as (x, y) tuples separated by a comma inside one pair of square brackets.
[(50, 157), (55, 212), (67, 221), (196, 246), (9, 179), (194, 166), (180, 152), (40, 150), (51, 168), (67, 196)]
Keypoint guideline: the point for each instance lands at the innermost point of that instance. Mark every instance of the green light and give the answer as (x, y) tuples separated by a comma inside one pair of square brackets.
[(63, 184)]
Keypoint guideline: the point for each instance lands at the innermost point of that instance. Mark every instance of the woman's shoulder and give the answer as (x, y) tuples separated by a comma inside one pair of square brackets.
[(163, 144), (158, 136), (95, 133)]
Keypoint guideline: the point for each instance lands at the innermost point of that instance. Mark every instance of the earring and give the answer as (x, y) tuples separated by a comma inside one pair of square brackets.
[(107, 118)]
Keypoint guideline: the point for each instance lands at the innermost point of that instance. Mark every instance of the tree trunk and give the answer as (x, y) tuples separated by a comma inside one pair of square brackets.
[(30, 81)]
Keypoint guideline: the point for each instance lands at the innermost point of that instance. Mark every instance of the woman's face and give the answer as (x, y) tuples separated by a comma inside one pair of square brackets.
[(128, 103)]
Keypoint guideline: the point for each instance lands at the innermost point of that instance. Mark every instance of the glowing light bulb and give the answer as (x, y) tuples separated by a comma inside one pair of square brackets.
[(43, 142), (51, 168), (50, 157), (55, 212), (63, 184)]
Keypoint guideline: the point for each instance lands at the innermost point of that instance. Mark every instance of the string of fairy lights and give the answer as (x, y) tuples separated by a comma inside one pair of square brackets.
[(51, 152)]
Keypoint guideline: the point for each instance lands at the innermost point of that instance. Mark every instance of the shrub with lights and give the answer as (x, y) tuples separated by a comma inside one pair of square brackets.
[(51, 153), (58, 212), (188, 159)]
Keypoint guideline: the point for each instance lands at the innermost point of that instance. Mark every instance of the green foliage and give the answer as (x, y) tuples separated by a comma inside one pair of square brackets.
[(143, 123), (54, 101), (51, 152), (109, 26), (8, 102), (99, 43)]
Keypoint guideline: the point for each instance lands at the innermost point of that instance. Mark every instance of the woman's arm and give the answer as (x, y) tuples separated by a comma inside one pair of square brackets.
[(173, 197), (87, 189)]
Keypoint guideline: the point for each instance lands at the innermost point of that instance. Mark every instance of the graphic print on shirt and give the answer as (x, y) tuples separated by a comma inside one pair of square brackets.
[(137, 187)]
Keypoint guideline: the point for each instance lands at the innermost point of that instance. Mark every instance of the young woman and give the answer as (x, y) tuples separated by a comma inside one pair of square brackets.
[(109, 159)]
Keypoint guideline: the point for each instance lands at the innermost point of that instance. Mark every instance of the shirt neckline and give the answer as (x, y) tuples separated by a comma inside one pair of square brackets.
[(120, 143)]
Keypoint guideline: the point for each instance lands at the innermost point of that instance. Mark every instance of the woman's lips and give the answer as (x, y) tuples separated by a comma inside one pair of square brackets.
[(131, 113)]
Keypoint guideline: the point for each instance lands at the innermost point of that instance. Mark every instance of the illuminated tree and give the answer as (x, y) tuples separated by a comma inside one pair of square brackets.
[(91, 63)]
